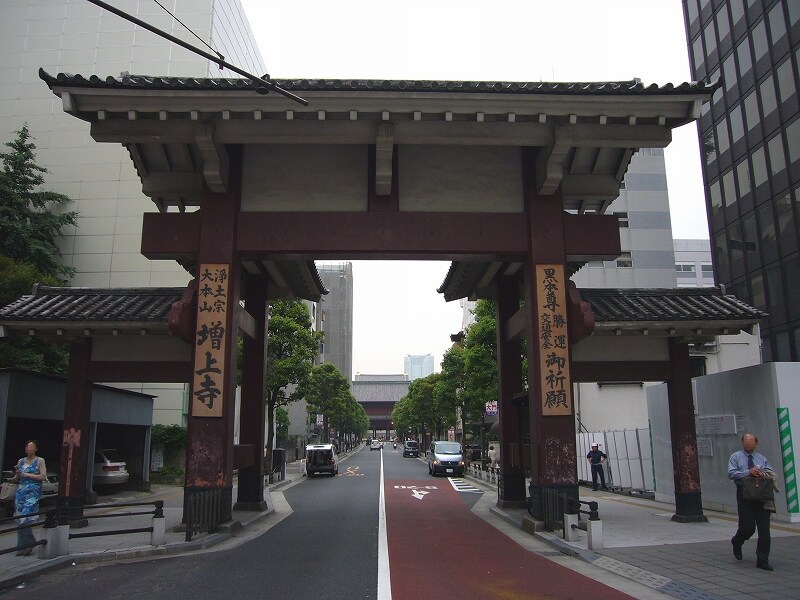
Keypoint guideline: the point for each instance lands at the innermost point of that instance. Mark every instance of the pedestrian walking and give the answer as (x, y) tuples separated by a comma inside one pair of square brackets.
[(31, 471), (753, 514), (492, 457), (596, 458)]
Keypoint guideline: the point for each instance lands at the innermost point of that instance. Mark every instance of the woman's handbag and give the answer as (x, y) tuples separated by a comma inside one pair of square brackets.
[(759, 489), (8, 490)]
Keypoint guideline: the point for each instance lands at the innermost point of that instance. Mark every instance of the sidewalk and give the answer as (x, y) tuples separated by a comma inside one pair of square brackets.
[(682, 560), (17, 569)]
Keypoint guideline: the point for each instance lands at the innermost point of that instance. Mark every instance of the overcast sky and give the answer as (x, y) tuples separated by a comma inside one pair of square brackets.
[(396, 308)]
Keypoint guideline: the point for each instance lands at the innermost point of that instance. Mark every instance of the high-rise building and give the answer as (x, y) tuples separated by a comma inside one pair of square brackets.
[(335, 316), (693, 266), (418, 365), (750, 141), (75, 36)]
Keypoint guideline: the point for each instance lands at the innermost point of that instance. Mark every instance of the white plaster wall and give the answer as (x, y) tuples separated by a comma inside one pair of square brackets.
[(460, 179), (610, 407), (302, 177), (753, 394)]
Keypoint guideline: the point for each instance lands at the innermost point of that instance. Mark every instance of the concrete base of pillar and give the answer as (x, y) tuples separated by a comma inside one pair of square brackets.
[(251, 506), (689, 508), (531, 525), (511, 504)]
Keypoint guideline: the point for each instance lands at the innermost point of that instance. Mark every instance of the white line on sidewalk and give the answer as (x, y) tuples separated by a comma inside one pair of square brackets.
[(384, 576)]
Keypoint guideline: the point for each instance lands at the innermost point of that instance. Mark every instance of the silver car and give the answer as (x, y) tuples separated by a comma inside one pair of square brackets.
[(321, 458), (445, 458), (109, 468)]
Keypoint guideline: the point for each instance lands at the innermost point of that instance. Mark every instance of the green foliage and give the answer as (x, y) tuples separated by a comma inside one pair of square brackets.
[(168, 474), (291, 349), (480, 356), (17, 279), (173, 437), (281, 426), (30, 219)]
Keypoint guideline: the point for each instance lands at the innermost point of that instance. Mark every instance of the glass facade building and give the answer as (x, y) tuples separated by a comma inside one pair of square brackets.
[(750, 144)]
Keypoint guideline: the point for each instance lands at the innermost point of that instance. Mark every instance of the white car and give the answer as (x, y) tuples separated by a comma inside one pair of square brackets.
[(109, 468), (375, 445)]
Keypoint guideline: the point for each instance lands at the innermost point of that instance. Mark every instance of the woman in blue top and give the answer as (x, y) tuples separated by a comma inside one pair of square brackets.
[(31, 471)]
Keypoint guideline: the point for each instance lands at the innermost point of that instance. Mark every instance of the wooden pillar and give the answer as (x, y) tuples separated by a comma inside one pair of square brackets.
[(252, 410), (511, 483), (209, 444), (75, 441), (551, 410), (686, 470)]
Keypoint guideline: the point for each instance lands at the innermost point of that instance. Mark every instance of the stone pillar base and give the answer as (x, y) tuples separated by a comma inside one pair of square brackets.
[(251, 506), (689, 508)]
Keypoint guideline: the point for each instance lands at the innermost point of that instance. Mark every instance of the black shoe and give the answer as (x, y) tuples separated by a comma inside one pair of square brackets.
[(737, 550), (764, 565), (605, 489)]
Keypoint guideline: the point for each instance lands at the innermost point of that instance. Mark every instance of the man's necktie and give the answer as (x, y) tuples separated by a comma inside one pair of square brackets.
[(750, 463)]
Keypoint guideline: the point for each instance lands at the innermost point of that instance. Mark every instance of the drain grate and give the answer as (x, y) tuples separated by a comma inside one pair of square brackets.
[(550, 553)]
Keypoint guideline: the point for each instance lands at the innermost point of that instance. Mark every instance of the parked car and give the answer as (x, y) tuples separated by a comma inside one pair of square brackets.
[(375, 445), (321, 458), (445, 458), (410, 448), (109, 468)]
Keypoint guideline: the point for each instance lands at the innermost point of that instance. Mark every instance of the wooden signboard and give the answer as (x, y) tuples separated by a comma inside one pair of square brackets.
[(556, 384), (209, 359)]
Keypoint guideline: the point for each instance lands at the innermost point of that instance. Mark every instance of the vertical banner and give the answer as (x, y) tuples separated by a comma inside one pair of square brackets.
[(209, 357), (556, 384)]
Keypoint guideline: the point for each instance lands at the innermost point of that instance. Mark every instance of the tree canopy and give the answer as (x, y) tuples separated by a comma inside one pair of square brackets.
[(328, 393), (31, 218)]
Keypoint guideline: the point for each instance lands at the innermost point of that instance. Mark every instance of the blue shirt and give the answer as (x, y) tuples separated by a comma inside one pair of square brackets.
[(737, 465)]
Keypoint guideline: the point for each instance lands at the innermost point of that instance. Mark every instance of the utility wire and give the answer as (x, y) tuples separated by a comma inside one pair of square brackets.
[(166, 10)]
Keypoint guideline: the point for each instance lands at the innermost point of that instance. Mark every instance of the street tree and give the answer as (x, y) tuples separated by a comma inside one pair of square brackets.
[(291, 349), (31, 218), (327, 393)]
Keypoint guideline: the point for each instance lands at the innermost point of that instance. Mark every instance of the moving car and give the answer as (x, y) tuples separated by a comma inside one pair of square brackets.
[(445, 458), (410, 448), (321, 458), (109, 468), (375, 445)]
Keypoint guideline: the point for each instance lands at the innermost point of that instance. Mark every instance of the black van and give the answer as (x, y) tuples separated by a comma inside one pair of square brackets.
[(410, 448)]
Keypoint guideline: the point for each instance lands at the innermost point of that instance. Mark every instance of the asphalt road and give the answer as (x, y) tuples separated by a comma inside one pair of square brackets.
[(330, 547)]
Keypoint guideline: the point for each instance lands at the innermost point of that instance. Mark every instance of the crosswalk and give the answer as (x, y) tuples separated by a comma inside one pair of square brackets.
[(461, 485)]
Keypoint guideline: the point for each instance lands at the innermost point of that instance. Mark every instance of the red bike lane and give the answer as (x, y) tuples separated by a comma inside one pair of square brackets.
[(440, 548)]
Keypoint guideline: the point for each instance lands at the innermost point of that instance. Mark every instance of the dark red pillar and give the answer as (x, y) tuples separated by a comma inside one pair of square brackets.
[(553, 447), (686, 470), (75, 441), (209, 444), (252, 411), (511, 483)]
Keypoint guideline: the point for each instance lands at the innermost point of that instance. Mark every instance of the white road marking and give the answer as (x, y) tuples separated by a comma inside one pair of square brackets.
[(419, 494), (460, 485), (384, 575)]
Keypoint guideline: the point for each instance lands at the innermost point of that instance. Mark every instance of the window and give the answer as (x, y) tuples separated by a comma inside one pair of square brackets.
[(760, 44), (777, 161), (743, 53), (751, 111), (723, 142), (750, 239), (793, 137), (709, 35), (759, 167), (723, 26), (715, 197), (625, 261), (684, 267), (721, 248), (768, 100), (622, 184), (777, 25), (729, 73), (697, 53), (595, 264), (759, 299), (691, 11), (743, 177), (794, 12), (783, 208), (623, 219), (706, 268), (729, 189), (737, 124), (737, 11), (787, 85), (766, 224)]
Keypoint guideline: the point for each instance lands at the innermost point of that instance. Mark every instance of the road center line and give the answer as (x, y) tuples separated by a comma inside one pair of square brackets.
[(384, 576)]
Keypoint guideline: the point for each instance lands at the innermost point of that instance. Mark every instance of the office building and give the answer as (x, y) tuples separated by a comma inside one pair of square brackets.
[(75, 36), (335, 316), (418, 365), (750, 143)]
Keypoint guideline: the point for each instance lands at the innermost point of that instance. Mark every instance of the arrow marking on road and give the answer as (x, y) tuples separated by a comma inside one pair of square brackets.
[(351, 472), (419, 494)]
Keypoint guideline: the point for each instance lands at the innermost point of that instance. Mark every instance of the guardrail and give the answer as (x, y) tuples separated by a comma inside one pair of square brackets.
[(43, 542), (573, 523), (202, 510)]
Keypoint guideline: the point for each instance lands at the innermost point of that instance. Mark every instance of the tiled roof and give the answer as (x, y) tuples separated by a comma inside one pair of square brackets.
[(665, 305), (633, 87), (379, 391), (66, 305)]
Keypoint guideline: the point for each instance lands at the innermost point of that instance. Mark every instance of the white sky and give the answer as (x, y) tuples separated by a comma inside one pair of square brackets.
[(396, 308)]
